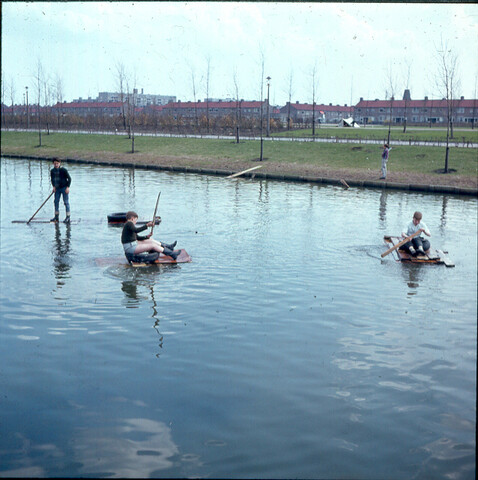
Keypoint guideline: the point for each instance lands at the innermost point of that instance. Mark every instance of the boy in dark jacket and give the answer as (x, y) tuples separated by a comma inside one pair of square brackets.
[(61, 181), (135, 244)]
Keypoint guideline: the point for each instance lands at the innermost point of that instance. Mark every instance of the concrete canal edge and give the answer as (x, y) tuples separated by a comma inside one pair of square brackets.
[(273, 176)]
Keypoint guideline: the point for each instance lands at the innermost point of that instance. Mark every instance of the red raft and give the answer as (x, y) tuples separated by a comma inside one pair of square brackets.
[(431, 256)]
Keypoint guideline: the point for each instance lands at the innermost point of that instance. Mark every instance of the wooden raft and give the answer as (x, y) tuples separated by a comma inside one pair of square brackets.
[(431, 256), (183, 257)]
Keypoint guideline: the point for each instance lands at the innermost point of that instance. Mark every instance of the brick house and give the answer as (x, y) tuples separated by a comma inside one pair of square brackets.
[(424, 111), (303, 112)]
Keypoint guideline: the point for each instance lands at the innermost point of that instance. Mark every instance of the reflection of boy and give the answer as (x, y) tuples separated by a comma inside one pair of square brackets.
[(61, 181), (417, 245)]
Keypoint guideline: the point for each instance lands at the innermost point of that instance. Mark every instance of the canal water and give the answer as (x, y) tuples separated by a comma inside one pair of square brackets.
[(287, 349)]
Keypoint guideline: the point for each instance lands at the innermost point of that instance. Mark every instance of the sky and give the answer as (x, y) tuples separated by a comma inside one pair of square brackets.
[(355, 49)]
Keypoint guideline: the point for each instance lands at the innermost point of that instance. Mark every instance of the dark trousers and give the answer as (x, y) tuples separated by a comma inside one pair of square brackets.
[(416, 242)]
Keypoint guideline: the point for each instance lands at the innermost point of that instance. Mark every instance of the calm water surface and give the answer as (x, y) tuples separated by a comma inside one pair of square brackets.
[(287, 349)]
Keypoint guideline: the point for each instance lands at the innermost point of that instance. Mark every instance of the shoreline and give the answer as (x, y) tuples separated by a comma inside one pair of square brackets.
[(289, 173)]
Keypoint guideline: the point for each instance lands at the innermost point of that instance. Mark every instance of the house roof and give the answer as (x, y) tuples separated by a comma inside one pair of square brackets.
[(319, 107), (88, 105), (220, 105), (464, 103)]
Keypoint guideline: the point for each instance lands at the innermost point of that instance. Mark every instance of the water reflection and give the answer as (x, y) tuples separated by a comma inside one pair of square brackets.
[(135, 448), (61, 259), (443, 217), (134, 299), (382, 211), (412, 274)]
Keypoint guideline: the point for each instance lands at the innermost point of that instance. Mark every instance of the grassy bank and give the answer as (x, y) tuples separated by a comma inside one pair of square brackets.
[(380, 133), (290, 157)]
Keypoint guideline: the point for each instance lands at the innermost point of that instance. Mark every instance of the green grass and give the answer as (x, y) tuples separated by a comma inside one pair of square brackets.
[(203, 151), (381, 133)]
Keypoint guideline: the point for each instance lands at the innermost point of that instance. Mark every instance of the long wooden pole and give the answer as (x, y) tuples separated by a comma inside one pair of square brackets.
[(244, 171), (154, 216), (399, 244), (41, 206)]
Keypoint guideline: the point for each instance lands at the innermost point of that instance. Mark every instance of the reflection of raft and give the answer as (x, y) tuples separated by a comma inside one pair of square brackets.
[(158, 258), (120, 217), (431, 256)]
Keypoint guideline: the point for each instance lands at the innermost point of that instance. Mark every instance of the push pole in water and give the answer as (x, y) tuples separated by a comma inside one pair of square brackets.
[(40, 207), (154, 216)]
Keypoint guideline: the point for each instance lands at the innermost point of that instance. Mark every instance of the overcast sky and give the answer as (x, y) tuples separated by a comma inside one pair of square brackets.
[(355, 48)]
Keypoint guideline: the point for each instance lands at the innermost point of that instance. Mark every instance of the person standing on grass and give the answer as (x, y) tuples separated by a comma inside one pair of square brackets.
[(61, 181), (385, 154)]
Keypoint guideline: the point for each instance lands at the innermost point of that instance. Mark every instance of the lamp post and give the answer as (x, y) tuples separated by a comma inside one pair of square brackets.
[(28, 116), (268, 110)]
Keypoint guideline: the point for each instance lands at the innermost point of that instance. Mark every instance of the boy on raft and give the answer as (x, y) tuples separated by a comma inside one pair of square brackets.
[(135, 244), (418, 245)]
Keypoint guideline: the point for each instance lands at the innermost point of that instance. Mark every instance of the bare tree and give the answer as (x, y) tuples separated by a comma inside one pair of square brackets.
[(193, 86), (262, 107), (290, 92), (406, 96), (474, 104), (47, 96), (39, 79), (122, 80), (313, 75), (390, 94), (447, 82), (12, 99), (58, 97), (208, 79), (131, 99), (4, 92), (238, 105)]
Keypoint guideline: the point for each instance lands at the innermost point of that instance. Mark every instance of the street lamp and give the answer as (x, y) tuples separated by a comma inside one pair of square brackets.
[(28, 116), (268, 104)]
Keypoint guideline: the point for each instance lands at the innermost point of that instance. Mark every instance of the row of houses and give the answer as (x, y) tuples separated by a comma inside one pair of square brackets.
[(425, 111)]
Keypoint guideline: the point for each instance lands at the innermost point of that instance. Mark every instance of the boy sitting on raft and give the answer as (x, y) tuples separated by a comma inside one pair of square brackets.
[(135, 244), (417, 245)]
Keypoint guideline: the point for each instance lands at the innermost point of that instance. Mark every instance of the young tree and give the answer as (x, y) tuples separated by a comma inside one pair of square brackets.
[(4, 91), (39, 80), (406, 96), (262, 108), (58, 97), (290, 93), (122, 80), (390, 94), (193, 86), (238, 117), (12, 99), (446, 79), (208, 78), (313, 75)]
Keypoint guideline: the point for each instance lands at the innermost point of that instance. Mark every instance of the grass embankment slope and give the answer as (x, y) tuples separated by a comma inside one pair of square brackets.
[(408, 164)]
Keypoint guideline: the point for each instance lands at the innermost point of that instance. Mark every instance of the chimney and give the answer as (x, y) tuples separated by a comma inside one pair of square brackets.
[(406, 94), (297, 102), (426, 99), (142, 91), (361, 99), (462, 98)]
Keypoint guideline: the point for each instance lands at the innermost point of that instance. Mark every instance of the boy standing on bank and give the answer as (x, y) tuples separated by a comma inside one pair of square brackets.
[(385, 155), (61, 181), (417, 245)]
